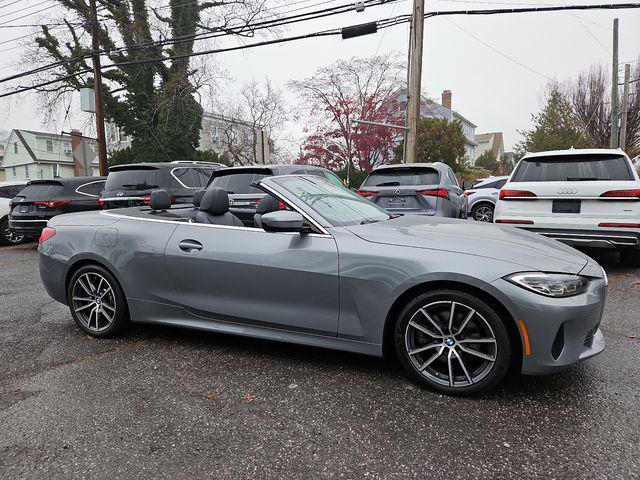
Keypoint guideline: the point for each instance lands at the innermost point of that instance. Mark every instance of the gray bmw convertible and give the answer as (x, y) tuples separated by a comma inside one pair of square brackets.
[(458, 303)]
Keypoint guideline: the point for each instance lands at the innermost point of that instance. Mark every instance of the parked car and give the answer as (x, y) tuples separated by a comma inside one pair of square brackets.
[(244, 197), (418, 188), (585, 198), (131, 185), (482, 198), (8, 190), (41, 200), (459, 303)]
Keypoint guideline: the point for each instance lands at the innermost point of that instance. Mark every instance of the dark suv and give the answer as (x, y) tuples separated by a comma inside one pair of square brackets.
[(243, 197), (131, 185), (42, 200)]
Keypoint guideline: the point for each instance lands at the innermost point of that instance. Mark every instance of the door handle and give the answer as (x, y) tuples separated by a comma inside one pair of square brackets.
[(190, 246)]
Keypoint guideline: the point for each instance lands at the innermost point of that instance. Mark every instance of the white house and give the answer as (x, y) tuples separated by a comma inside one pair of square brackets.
[(432, 109), (493, 142), (33, 155)]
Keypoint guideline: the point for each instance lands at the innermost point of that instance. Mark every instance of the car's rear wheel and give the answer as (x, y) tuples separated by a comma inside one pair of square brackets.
[(97, 302), (630, 258), (482, 212), (453, 343), (6, 236)]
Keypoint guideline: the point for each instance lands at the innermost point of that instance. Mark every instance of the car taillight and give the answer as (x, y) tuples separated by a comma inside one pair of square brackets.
[(46, 234), (365, 193), (619, 225), (435, 192), (624, 194), (53, 203), (282, 206), (469, 192), (516, 194), (101, 202), (146, 200), (516, 222)]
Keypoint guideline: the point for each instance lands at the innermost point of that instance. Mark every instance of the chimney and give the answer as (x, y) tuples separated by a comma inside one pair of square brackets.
[(446, 99)]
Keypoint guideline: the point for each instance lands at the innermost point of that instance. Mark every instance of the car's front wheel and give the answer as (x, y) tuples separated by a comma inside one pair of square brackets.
[(453, 343), (482, 212), (97, 302), (6, 236)]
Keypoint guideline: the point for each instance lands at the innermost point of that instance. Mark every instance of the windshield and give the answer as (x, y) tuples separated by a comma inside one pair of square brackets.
[(339, 206), (193, 177), (402, 177), (573, 168), (42, 191), (239, 183), (134, 179)]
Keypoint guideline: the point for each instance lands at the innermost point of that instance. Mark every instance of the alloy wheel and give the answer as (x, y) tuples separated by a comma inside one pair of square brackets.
[(12, 238), (483, 213), (450, 344), (94, 301)]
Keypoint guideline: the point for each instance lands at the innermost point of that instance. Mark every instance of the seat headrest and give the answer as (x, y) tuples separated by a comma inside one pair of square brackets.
[(160, 200), (215, 201), (267, 205), (197, 197)]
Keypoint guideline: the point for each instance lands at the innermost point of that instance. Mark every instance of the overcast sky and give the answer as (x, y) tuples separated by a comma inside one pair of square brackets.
[(496, 66)]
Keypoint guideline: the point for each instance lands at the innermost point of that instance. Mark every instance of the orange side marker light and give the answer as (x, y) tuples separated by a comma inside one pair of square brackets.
[(525, 337)]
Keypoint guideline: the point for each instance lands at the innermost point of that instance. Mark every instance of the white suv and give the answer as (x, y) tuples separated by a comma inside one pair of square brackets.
[(8, 190), (588, 198)]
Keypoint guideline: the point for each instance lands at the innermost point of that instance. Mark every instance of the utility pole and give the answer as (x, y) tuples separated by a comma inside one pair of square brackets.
[(614, 88), (97, 88), (625, 107), (415, 80)]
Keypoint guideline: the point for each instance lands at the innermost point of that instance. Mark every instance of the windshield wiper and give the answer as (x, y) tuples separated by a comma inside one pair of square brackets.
[(388, 184), (585, 179), (370, 220)]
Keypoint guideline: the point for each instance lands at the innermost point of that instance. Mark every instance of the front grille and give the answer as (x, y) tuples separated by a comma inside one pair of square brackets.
[(588, 339)]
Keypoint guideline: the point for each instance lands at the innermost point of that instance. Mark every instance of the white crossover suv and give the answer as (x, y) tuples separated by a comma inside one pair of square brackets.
[(8, 190), (588, 198)]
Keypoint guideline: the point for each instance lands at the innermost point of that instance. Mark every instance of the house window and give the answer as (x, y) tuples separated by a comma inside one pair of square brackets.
[(15, 147), (26, 171), (56, 170), (67, 148), (49, 145), (13, 171)]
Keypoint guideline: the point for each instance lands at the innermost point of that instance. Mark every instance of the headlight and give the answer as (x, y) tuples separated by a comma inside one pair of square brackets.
[(557, 285)]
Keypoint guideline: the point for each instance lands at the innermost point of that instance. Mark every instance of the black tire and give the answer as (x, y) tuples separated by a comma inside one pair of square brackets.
[(88, 293), (471, 374), (478, 212), (630, 258), (5, 236)]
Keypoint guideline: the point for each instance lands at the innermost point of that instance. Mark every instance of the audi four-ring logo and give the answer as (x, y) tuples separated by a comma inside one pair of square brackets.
[(567, 191)]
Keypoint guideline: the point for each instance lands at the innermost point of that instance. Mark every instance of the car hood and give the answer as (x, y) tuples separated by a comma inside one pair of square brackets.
[(506, 243)]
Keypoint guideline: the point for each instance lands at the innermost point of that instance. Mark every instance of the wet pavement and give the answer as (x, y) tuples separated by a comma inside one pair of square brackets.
[(166, 403)]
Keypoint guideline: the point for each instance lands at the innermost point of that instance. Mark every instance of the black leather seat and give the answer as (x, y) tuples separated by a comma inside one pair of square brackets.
[(267, 205), (214, 209), (197, 197), (160, 202)]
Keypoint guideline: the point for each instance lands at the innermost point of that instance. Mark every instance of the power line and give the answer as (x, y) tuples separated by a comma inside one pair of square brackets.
[(9, 4), (223, 31), (384, 23), (28, 7), (25, 15)]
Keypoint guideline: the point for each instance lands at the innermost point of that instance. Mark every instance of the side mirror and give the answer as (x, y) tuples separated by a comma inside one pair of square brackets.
[(283, 221), (467, 184)]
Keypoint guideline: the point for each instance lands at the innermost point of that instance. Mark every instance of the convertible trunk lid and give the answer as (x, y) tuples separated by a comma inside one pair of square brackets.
[(532, 251)]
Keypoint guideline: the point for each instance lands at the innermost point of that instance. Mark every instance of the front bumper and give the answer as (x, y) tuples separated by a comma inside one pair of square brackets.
[(28, 227), (561, 331), (610, 239)]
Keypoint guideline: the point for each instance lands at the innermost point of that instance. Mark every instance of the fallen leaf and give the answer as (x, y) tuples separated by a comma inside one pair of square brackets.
[(248, 398), (209, 395), (176, 373)]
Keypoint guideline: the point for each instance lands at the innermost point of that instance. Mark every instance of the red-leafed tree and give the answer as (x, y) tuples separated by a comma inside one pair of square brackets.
[(339, 95)]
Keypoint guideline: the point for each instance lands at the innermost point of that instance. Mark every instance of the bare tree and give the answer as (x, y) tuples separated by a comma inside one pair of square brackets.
[(590, 96), (339, 94), (251, 125)]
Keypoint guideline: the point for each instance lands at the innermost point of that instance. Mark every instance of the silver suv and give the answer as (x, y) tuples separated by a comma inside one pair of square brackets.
[(483, 196)]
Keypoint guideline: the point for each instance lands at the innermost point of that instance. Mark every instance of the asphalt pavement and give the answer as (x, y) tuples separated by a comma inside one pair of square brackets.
[(168, 403)]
